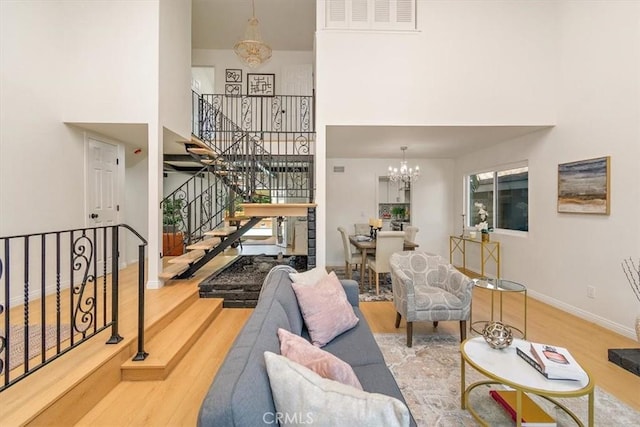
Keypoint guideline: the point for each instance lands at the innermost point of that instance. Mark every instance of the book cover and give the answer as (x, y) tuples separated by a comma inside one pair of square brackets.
[(532, 414), (557, 362), (531, 361)]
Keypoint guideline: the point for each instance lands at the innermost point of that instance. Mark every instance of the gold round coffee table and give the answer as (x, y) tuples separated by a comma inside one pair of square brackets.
[(507, 368)]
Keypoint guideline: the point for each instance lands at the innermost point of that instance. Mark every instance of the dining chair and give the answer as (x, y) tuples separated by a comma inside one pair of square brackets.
[(351, 259), (362, 229), (410, 232), (387, 243)]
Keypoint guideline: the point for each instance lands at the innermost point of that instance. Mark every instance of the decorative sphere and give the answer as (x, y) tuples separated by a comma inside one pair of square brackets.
[(497, 334)]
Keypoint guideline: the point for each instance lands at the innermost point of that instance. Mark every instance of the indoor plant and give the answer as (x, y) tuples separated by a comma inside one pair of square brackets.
[(172, 237)]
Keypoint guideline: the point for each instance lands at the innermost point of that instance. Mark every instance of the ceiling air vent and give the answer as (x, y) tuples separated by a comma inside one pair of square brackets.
[(338, 169)]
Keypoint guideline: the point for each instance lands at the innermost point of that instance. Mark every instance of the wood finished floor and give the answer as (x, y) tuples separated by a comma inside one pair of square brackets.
[(176, 401)]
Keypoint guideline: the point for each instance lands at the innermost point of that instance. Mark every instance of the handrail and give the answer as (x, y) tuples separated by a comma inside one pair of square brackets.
[(63, 276)]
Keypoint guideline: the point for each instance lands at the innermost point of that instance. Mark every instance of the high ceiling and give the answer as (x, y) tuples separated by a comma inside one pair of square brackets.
[(290, 25), (284, 24)]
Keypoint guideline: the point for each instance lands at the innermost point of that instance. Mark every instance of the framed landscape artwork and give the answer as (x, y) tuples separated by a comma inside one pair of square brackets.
[(584, 186), (261, 84)]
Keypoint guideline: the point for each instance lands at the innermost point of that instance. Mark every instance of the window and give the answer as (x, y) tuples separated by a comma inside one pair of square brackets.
[(371, 14), (499, 197)]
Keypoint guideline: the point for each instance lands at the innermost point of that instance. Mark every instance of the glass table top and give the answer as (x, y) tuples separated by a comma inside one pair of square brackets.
[(499, 285)]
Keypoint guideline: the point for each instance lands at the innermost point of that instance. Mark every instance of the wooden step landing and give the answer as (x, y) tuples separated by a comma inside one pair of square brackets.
[(188, 258), (168, 347), (276, 209), (205, 244)]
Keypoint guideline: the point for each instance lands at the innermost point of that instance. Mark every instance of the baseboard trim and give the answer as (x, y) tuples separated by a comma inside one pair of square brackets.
[(583, 314)]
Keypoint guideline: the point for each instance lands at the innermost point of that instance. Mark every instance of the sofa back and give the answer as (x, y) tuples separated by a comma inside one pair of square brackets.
[(240, 394)]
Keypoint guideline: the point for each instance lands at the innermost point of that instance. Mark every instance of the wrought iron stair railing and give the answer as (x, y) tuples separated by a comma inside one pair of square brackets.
[(60, 289)]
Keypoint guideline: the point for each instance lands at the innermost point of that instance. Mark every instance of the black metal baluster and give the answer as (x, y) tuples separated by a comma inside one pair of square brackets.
[(115, 336), (95, 279), (104, 275), (7, 317), (71, 285), (43, 305), (26, 303), (58, 305)]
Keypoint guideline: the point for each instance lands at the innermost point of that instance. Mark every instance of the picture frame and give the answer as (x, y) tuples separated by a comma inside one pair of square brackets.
[(584, 186), (233, 75), (261, 84), (233, 89)]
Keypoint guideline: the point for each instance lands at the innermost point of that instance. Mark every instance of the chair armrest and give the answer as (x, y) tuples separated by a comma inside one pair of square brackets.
[(352, 290), (460, 285)]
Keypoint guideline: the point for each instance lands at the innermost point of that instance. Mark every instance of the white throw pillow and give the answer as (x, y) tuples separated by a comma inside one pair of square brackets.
[(302, 397), (310, 277)]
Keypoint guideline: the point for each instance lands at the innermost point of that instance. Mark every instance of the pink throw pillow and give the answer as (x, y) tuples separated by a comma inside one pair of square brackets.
[(323, 363), (325, 309)]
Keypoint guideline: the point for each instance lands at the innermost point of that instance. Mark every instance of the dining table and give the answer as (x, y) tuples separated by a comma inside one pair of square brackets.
[(365, 246)]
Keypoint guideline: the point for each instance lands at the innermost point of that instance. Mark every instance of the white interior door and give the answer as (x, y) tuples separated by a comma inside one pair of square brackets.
[(101, 198)]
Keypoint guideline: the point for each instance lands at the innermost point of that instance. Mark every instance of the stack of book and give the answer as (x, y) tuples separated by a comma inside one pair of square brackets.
[(531, 414), (555, 363)]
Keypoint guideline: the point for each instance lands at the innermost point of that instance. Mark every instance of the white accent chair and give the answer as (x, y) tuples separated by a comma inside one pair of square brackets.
[(351, 259), (426, 288), (387, 243), (410, 232)]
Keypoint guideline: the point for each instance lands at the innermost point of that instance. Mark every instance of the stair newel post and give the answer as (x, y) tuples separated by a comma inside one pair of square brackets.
[(115, 289), (141, 355)]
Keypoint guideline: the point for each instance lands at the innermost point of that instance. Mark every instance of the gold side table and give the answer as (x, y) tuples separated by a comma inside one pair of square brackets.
[(489, 252), (498, 287)]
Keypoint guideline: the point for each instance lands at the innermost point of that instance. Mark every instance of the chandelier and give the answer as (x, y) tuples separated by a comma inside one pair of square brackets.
[(405, 173), (252, 50)]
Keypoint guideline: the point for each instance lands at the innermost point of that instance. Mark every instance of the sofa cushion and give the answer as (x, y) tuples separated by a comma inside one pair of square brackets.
[(325, 309), (325, 364), (277, 286), (243, 373), (300, 392), (310, 277), (365, 352)]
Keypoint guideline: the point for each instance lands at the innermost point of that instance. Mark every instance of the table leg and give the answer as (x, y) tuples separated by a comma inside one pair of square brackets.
[(463, 391), (591, 414), (363, 268), (518, 408)]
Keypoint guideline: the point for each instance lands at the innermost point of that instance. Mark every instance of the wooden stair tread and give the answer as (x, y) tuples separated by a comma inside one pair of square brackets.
[(202, 151), (205, 244), (221, 232), (168, 347), (197, 141), (187, 258), (172, 270)]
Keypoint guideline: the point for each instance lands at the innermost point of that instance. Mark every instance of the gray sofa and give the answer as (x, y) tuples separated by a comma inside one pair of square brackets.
[(240, 394)]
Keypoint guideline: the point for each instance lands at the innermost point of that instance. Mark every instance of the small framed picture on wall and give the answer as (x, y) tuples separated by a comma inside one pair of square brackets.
[(233, 89), (261, 84), (233, 75)]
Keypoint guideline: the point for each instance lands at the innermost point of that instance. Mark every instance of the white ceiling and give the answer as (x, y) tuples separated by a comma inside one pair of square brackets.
[(421, 141), (284, 24)]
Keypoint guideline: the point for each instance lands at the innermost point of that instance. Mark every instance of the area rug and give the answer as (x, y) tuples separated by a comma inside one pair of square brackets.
[(429, 376), (16, 347)]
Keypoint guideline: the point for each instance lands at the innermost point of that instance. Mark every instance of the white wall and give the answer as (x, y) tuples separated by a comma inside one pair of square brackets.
[(598, 114), (469, 62), (352, 198), (136, 193), (222, 59)]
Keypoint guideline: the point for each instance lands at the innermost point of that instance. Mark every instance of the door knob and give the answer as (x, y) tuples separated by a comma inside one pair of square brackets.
[(93, 216)]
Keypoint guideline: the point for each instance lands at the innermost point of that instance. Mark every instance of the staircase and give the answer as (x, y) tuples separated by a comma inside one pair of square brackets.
[(61, 392), (242, 164)]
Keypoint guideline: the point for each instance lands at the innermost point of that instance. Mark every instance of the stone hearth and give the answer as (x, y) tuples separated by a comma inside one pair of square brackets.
[(239, 283)]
